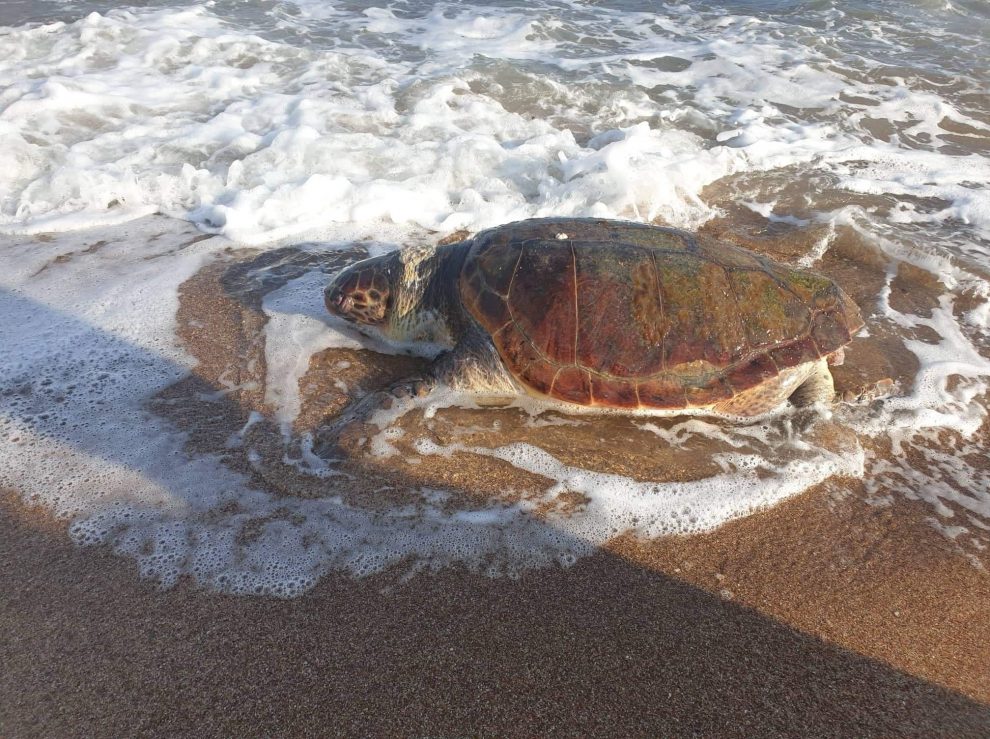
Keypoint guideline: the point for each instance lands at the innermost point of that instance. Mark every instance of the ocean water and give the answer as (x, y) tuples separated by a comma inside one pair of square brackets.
[(142, 143)]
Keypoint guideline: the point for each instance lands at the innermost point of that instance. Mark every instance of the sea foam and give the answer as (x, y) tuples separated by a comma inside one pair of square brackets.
[(172, 111)]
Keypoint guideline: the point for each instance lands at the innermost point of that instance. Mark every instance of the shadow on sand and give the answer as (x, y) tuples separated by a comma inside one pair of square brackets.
[(602, 648)]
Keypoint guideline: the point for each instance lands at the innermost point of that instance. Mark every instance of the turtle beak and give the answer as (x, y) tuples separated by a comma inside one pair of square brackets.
[(337, 302)]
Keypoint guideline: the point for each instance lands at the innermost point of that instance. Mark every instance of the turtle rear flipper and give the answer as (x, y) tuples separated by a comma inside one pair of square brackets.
[(803, 385), (868, 392), (818, 387)]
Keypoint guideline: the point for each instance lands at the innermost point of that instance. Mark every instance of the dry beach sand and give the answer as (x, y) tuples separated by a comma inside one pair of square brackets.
[(832, 613)]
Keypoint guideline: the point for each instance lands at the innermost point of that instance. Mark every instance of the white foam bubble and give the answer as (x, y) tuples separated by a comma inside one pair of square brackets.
[(933, 402), (298, 327), (615, 504)]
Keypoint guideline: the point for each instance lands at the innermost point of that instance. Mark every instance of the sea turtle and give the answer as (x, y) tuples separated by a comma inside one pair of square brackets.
[(603, 315)]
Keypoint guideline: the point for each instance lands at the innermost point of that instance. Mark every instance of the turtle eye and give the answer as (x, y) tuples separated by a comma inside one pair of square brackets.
[(374, 305)]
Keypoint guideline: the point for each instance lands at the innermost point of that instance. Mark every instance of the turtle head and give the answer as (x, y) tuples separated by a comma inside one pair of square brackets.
[(387, 298), (364, 293)]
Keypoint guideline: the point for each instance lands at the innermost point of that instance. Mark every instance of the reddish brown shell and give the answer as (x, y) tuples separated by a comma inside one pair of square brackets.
[(625, 315)]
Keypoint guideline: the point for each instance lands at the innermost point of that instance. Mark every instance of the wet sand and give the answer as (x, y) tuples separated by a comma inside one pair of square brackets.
[(823, 615)]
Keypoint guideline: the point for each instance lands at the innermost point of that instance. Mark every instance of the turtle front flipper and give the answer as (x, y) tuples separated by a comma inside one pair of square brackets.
[(378, 409), (472, 366)]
